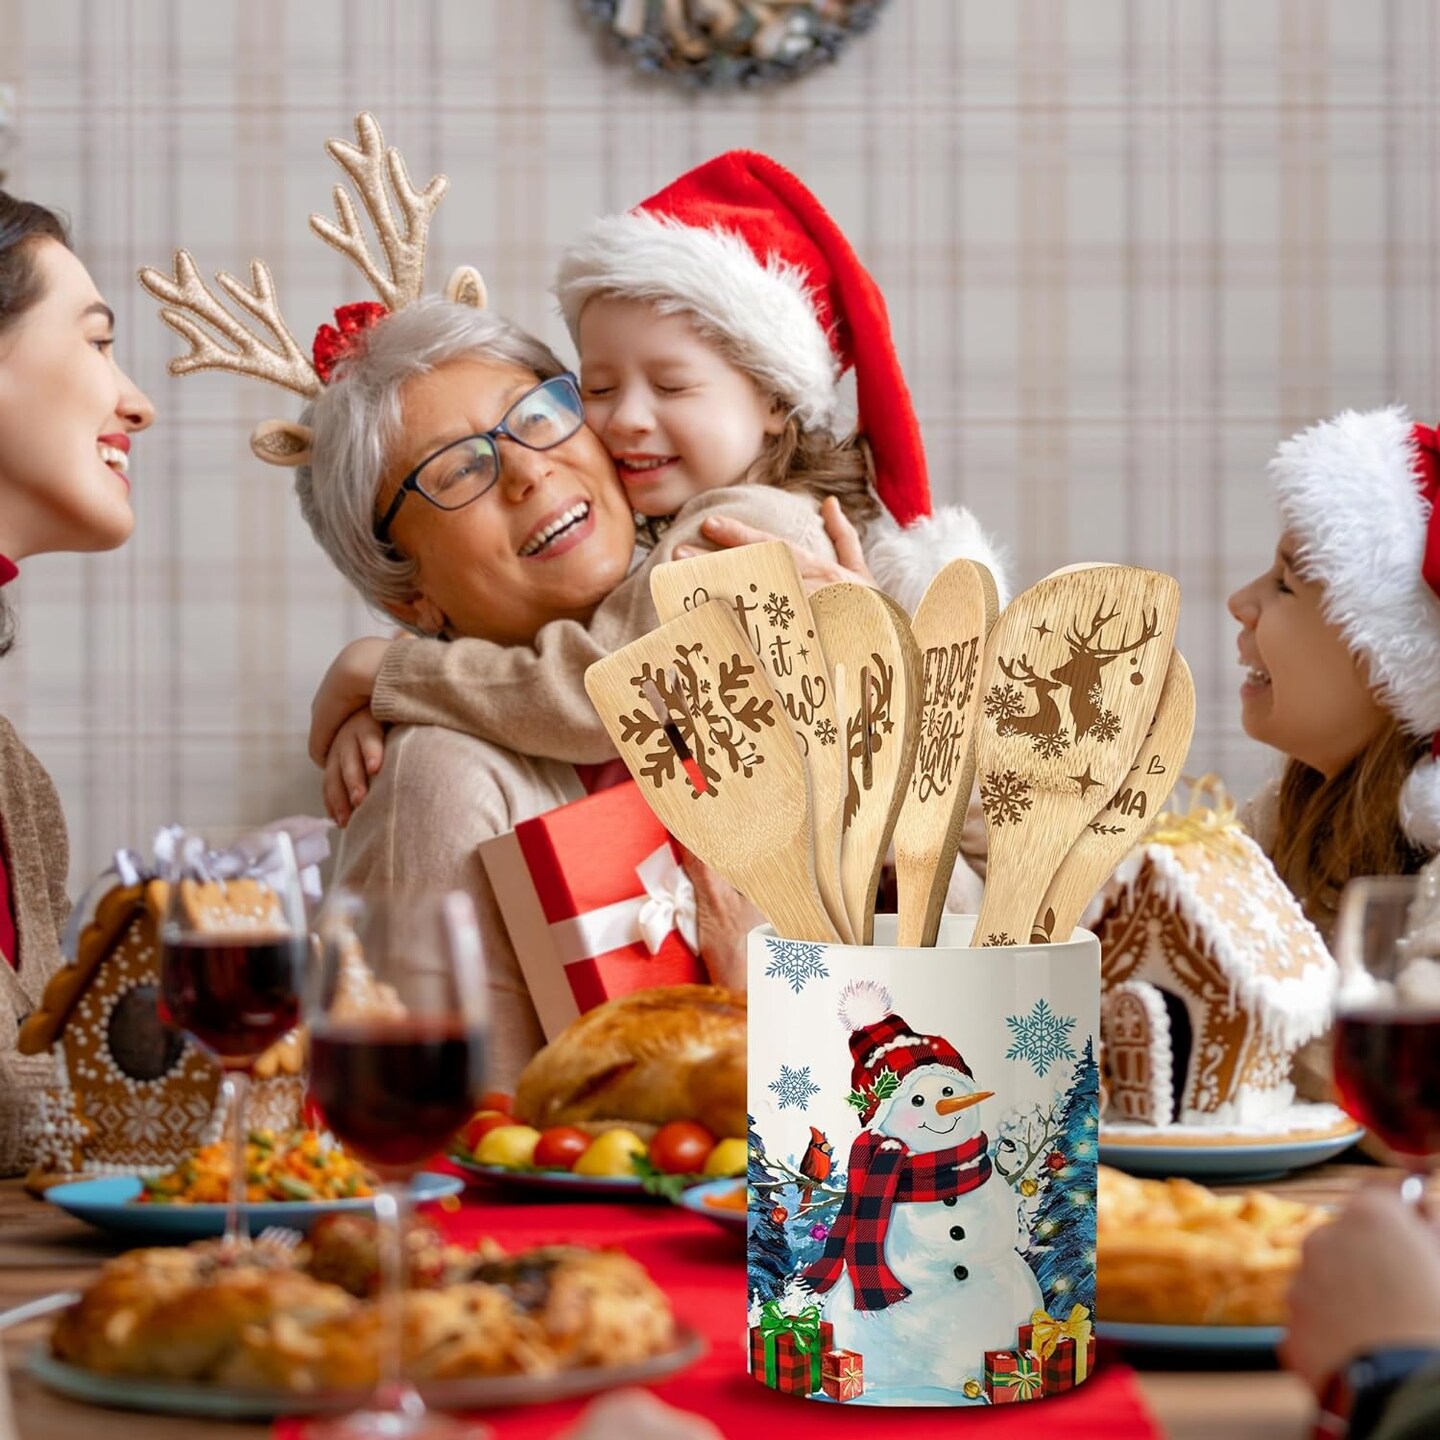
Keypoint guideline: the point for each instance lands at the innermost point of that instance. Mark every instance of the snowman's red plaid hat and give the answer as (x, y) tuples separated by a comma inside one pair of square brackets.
[(880, 1040)]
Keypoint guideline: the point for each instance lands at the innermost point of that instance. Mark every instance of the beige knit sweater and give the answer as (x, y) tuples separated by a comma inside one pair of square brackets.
[(454, 773), (533, 698), (37, 858)]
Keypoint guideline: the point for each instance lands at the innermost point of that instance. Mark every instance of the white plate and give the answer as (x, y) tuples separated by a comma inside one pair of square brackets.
[(1250, 1339), (1224, 1162), (696, 1199), (164, 1397)]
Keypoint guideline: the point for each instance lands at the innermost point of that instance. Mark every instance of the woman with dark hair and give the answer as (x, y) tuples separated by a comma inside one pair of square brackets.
[(67, 412)]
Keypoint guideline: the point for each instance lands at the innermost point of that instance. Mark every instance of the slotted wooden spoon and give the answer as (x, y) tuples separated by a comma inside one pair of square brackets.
[(763, 587), (1045, 772), (950, 627), (1116, 829), (875, 669), (695, 718)]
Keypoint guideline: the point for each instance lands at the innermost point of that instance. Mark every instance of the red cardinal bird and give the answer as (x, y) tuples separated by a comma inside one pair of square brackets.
[(816, 1164)]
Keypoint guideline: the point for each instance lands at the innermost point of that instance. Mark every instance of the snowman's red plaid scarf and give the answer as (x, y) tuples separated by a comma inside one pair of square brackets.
[(882, 1171)]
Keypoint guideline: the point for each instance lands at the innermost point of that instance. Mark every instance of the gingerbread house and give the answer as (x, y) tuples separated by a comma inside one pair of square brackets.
[(1212, 978), (131, 1094)]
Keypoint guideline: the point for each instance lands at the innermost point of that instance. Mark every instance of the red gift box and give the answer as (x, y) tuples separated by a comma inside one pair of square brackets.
[(1063, 1363), (1012, 1375), (842, 1374), (777, 1358), (592, 894)]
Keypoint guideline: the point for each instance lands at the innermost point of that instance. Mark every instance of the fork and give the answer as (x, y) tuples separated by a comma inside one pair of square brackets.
[(279, 1237), (33, 1309)]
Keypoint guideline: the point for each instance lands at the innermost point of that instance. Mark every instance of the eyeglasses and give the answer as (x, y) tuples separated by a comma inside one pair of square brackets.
[(462, 471)]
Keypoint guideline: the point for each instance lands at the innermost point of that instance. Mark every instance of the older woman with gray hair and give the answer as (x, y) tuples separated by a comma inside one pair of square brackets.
[(452, 480)]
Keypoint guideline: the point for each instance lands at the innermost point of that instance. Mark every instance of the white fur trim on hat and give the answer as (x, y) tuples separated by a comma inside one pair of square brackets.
[(1349, 496), (764, 311), (905, 561), (1420, 805)]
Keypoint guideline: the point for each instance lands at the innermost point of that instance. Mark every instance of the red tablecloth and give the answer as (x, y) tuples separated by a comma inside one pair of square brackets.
[(702, 1269)]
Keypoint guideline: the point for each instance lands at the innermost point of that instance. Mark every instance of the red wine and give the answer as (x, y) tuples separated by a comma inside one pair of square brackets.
[(1387, 1070), (237, 997), (395, 1091)]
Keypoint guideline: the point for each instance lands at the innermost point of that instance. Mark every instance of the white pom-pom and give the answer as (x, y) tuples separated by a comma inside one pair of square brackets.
[(904, 562), (862, 1003), (1420, 805)]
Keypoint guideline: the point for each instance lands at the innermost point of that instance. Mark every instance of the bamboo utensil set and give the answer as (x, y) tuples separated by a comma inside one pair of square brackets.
[(786, 740)]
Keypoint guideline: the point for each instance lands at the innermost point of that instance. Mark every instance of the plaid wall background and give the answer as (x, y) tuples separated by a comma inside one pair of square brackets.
[(1128, 245)]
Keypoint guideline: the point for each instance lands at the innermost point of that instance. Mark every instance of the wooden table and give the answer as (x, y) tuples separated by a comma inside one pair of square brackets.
[(42, 1250)]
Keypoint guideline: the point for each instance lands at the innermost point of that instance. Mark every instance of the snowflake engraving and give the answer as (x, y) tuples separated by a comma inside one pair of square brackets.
[(1051, 747), (1042, 1037), (795, 962), (998, 939), (825, 732), (1106, 725), (779, 611), (1004, 702), (1004, 797), (794, 1087)]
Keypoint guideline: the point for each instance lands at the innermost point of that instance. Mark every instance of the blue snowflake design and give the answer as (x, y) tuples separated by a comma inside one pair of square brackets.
[(1042, 1037), (794, 1087), (795, 962)]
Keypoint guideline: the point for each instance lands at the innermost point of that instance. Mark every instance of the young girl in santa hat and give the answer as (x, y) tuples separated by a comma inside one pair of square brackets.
[(1340, 639), (713, 323)]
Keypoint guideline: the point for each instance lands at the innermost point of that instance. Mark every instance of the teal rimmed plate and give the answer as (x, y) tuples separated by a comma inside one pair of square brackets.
[(110, 1204)]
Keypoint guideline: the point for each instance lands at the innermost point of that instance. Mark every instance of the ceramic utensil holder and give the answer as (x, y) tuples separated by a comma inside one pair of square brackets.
[(923, 1145)]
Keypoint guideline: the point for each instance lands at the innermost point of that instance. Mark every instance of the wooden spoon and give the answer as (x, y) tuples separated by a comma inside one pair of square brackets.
[(696, 720), (875, 669), (950, 627), (1115, 830), (1044, 774), (762, 585)]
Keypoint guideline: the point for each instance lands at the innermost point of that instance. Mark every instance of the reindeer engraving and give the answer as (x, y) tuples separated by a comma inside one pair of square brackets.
[(1081, 672), (1005, 705)]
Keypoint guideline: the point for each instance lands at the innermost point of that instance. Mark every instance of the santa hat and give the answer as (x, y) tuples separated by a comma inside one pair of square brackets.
[(744, 248), (1358, 495), (880, 1040)]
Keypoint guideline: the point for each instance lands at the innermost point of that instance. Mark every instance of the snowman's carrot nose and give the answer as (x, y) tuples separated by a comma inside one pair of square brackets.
[(961, 1102)]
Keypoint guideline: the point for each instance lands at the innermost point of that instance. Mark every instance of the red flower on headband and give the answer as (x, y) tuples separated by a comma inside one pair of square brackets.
[(333, 343)]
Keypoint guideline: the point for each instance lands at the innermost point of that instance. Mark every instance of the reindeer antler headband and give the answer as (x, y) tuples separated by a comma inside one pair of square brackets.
[(274, 355)]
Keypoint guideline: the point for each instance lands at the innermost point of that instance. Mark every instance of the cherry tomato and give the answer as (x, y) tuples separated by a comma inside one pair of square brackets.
[(560, 1147), (681, 1147), (479, 1125), (497, 1100)]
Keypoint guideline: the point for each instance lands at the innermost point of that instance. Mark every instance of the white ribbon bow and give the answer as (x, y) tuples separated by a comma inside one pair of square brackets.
[(671, 905), (668, 904)]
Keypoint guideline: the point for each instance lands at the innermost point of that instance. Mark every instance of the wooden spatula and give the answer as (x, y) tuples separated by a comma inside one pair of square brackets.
[(697, 721), (762, 585), (1112, 833), (1089, 651), (950, 627), (875, 669)]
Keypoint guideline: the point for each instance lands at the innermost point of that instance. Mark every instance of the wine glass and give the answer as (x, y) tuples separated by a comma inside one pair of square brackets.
[(232, 951), (397, 1011), (1387, 1017)]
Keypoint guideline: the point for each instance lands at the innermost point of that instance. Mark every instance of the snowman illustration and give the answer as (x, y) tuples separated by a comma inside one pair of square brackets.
[(920, 1273)]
